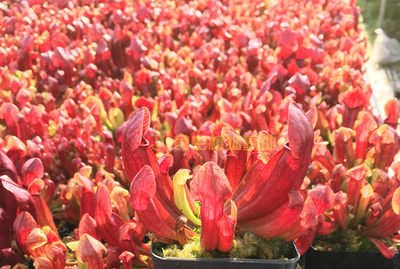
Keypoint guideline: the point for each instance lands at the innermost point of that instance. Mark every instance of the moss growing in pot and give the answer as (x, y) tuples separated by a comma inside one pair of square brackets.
[(247, 245), (343, 240)]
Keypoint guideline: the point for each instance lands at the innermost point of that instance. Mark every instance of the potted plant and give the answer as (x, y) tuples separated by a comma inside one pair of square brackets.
[(354, 199), (256, 198)]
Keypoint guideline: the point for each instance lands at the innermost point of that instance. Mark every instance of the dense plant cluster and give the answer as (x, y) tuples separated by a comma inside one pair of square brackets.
[(117, 117)]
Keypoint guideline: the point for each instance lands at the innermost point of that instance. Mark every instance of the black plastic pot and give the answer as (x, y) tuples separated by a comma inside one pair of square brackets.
[(315, 259), (224, 263)]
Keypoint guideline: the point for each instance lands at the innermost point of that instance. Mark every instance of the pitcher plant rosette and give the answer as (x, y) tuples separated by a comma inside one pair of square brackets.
[(260, 195), (355, 190)]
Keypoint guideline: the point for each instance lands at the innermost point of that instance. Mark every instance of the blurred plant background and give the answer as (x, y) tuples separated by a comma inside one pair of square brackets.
[(390, 20), (383, 14)]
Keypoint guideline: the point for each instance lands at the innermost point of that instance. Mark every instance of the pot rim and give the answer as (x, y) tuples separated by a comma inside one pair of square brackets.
[(347, 251)]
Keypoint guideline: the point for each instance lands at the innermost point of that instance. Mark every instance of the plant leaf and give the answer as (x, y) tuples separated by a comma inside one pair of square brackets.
[(150, 211), (277, 221), (264, 186), (90, 250), (107, 223), (22, 226), (211, 187), (32, 169)]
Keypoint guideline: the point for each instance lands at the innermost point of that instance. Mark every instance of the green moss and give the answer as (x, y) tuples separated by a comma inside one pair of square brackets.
[(343, 240), (246, 246), (190, 250), (197, 204)]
